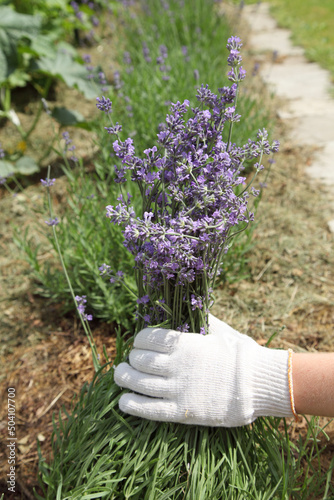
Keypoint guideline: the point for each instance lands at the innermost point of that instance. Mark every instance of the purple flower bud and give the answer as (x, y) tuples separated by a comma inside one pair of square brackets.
[(115, 129), (104, 104), (48, 182), (52, 222), (104, 270)]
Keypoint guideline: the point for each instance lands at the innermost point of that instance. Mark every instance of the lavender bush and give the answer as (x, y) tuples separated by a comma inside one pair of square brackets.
[(194, 200)]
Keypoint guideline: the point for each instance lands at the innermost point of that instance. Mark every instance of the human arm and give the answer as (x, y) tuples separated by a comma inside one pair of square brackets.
[(313, 383)]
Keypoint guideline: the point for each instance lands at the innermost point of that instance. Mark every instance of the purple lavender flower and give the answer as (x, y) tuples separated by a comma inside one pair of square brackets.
[(255, 192), (163, 51), (79, 15), (114, 129), (146, 53), (192, 202), (45, 106), (90, 71), (68, 141), (2, 153), (87, 58), (52, 222), (118, 84), (94, 20), (104, 270), (256, 69), (143, 300), (196, 302), (127, 58), (48, 182), (81, 306), (184, 49), (104, 104), (102, 78)]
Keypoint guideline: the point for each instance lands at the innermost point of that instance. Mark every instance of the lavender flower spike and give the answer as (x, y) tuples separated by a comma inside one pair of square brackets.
[(81, 306), (52, 222), (104, 104), (48, 182)]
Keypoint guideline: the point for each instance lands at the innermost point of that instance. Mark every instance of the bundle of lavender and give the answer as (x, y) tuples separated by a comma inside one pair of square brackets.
[(194, 200)]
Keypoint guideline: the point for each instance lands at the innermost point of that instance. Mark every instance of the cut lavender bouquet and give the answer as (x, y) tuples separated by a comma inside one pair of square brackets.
[(194, 201)]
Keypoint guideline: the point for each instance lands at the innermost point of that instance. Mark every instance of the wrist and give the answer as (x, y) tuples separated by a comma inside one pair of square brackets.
[(271, 393), (313, 380)]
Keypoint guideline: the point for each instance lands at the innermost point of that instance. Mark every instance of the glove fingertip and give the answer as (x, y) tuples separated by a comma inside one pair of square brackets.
[(123, 402), (156, 339), (120, 371)]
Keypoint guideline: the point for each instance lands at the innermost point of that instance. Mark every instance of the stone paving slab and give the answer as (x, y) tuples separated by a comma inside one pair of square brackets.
[(322, 165), (298, 80), (313, 129), (280, 43), (314, 107), (304, 88)]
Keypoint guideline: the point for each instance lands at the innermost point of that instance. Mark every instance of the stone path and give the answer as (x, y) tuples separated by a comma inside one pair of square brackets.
[(303, 86)]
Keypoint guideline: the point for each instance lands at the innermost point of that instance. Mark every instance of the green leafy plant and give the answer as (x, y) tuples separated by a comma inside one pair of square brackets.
[(30, 55), (84, 248)]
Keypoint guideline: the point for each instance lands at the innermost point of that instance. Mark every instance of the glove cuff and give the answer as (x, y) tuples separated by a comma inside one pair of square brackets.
[(270, 384)]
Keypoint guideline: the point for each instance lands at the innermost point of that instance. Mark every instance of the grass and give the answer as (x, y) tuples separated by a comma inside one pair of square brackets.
[(100, 453), (311, 24)]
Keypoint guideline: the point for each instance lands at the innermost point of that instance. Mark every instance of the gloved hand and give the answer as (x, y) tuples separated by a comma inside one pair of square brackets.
[(221, 379)]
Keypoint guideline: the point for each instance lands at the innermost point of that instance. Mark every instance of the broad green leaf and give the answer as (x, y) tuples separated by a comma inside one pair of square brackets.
[(67, 47), (13, 27), (43, 45), (26, 166), (66, 116), (18, 78), (3, 66), (71, 72), (6, 168)]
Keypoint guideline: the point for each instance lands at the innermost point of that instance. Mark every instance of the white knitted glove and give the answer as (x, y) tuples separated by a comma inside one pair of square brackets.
[(221, 379)]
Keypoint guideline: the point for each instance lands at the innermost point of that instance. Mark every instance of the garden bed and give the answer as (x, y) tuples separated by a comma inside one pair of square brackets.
[(287, 289)]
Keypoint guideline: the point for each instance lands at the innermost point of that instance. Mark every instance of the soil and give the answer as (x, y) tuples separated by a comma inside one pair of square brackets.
[(289, 291)]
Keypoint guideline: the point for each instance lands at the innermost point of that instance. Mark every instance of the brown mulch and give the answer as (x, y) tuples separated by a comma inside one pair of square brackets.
[(46, 374)]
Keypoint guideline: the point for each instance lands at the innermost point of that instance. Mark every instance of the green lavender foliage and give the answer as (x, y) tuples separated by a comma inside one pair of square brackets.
[(197, 27), (100, 453), (86, 240)]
